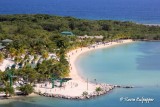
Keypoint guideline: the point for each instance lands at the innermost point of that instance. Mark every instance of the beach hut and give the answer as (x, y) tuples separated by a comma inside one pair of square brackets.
[(67, 33), (6, 41)]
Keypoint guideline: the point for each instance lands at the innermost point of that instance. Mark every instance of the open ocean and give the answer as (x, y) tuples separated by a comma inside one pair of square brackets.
[(134, 64), (140, 11)]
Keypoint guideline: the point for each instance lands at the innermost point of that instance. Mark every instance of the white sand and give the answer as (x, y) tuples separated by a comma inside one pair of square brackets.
[(6, 63), (77, 85)]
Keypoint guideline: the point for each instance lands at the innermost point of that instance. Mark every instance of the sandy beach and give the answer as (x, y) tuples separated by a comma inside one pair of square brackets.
[(78, 85), (6, 62)]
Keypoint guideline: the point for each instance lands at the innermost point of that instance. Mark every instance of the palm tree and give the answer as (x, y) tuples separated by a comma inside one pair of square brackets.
[(31, 51), (42, 69), (12, 52), (31, 74), (98, 89), (26, 57), (60, 52), (35, 57), (45, 55), (56, 71), (17, 53), (9, 91), (21, 51), (1, 57)]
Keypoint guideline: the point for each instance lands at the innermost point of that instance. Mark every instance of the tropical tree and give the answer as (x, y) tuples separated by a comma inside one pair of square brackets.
[(45, 55), (85, 93), (12, 52), (21, 51), (26, 89), (1, 30), (18, 59), (35, 57), (9, 91), (29, 74), (98, 89), (56, 71), (3, 77), (42, 69), (32, 75), (1, 89), (1, 57), (26, 57)]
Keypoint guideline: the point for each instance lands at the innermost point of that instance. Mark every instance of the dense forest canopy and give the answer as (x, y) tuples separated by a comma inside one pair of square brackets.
[(40, 26)]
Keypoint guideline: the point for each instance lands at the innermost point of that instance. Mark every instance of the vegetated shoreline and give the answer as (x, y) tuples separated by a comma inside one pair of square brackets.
[(152, 24), (83, 85)]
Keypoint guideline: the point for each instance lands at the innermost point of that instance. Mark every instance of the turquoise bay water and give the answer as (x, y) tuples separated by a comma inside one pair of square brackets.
[(130, 64), (134, 64)]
